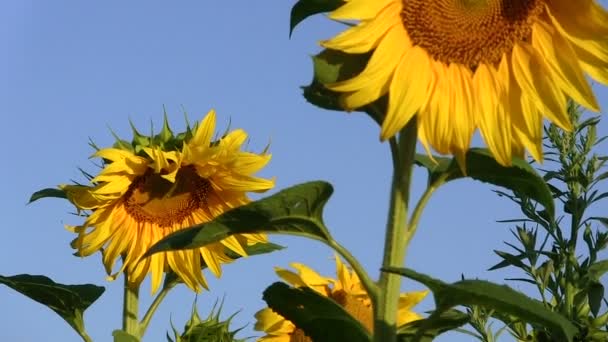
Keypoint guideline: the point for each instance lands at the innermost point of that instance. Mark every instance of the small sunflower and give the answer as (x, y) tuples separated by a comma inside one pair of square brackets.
[(347, 291), (497, 65), (158, 185)]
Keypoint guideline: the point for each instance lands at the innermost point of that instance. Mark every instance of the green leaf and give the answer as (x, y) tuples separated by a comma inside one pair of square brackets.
[(48, 192), (598, 269), (595, 295), (123, 336), (305, 8), (481, 166), (500, 298), (425, 330), (297, 210), (602, 220), (319, 317), (331, 66), (68, 301), (257, 249)]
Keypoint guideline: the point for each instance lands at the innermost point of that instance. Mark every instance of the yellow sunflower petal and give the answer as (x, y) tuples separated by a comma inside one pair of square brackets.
[(404, 101), (561, 59), (380, 67), (365, 36), (82, 196), (359, 9), (495, 125), (584, 19), (531, 74), (204, 133)]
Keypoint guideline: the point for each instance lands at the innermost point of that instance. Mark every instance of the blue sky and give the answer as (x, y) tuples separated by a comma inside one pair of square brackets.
[(70, 69)]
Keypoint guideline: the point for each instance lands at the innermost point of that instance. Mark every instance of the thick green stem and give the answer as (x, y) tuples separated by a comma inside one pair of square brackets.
[(143, 325), (385, 306), (130, 308)]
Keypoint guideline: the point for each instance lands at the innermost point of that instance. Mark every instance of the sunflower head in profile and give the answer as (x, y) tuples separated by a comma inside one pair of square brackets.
[(497, 65), (158, 185), (346, 290)]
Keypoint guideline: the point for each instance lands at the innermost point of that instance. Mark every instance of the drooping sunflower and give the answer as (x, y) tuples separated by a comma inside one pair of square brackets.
[(497, 65), (346, 290), (157, 185)]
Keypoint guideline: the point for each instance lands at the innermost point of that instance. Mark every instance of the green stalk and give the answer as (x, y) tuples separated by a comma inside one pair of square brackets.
[(368, 283), (143, 325), (130, 308), (85, 336), (385, 306)]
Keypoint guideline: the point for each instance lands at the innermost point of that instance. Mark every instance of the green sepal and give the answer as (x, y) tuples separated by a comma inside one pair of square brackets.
[(211, 329), (68, 301), (332, 66), (46, 193), (321, 319), (500, 298), (305, 8), (297, 210)]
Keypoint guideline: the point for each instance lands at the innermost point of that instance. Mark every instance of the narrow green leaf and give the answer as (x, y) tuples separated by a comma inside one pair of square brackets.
[(319, 317), (68, 301), (481, 166), (425, 330), (501, 298), (123, 336), (48, 192), (305, 8), (297, 210), (602, 220)]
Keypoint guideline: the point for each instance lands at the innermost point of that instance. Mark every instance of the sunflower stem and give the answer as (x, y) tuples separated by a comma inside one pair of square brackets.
[(386, 305), (415, 218), (85, 336), (143, 325), (130, 308)]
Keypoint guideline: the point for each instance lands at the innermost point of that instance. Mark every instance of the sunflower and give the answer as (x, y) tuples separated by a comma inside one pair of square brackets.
[(158, 185), (497, 65), (347, 291)]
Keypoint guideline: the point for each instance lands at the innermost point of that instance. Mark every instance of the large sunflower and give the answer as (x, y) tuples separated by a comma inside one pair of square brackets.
[(497, 65), (158, 185), (347, 291)]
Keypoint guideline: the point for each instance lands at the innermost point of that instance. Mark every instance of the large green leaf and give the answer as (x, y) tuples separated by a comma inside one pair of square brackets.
[(297, 210), (305, 8), (520, 177), (425, 330), (68, 301), (48, 192), (500, 298), (319, 317)]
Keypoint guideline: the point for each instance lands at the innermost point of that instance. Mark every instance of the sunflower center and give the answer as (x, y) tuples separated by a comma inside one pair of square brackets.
[(469, 32), (155, 200)]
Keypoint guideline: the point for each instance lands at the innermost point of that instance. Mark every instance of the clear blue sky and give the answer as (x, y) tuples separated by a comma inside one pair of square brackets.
[(71, 69)]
